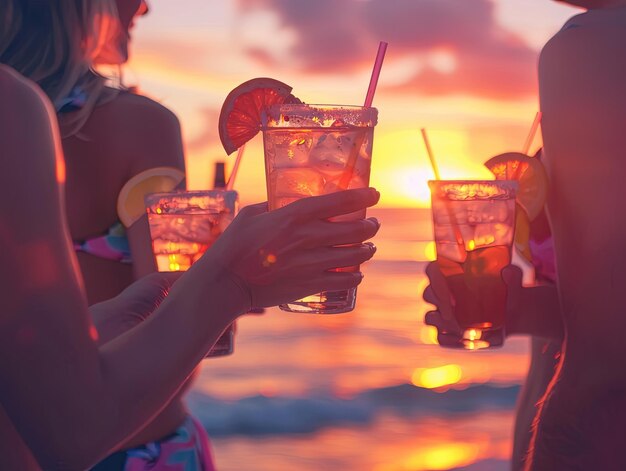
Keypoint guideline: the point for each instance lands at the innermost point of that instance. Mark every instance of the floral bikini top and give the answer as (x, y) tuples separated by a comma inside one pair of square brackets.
[(111, 246)]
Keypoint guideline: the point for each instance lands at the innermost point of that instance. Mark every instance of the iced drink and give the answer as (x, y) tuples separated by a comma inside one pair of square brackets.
[(313, 150), (183, 225), (474, 225)]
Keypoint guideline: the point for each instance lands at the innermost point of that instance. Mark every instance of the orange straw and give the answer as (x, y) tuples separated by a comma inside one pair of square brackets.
[(233, 174), (431, 157), (344, 182), (453, 221)]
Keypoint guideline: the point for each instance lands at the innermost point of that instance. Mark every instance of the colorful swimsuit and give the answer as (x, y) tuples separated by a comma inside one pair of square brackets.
[(111, 246), (187, 449)]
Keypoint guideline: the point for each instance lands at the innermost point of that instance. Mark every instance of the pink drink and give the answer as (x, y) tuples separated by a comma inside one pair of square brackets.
[(183, 225), (474, 224), (313, 150)]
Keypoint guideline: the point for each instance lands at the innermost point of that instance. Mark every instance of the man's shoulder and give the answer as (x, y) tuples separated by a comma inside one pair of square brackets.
[(593, 33), (596, 20)]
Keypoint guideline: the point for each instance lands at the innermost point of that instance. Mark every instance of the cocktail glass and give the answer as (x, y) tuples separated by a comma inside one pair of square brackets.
[(183, 225), (474, 227), (313, 150)]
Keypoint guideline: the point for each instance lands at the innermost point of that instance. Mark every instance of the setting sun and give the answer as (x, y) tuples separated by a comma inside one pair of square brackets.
[(433, 378)]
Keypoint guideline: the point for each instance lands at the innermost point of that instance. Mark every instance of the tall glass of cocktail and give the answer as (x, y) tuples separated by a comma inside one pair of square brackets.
[(313, 150), (474, 226), (183, 225)]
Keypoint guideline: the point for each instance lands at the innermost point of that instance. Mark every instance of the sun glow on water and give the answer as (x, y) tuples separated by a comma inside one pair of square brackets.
[(430, 251), (433, 378), (445, 456)]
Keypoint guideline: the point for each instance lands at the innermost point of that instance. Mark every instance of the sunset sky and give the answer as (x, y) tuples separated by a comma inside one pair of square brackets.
[(464, 69)]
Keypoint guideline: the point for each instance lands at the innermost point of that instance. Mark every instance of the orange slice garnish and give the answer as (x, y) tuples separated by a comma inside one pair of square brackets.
[(531, 175), (130, 202), (240, 117), (531, 195)]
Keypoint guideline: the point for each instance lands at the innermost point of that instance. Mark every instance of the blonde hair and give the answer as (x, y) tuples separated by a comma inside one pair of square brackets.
[(54, 43)]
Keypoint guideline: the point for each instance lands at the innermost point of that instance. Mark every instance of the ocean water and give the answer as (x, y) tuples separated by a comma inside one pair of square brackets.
[(365, 391)]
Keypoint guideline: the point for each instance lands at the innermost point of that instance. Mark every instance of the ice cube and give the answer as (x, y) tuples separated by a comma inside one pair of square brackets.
[(331, 186), (292, 151), (328, 155), (475, 214), (502, 213), (195, 228), (357, 181), (296, 182), (484, 236), (489, 234), (503, 234)]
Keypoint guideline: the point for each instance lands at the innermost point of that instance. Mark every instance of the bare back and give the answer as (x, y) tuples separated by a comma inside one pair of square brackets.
[(120, 139), (583, 99), (582, 82)]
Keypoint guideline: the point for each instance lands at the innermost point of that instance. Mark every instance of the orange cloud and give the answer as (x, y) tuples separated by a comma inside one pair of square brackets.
[(459, 47)]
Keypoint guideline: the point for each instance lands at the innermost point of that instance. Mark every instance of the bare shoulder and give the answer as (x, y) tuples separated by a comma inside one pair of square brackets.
[(588, 33), (32, 161), (27, 126), (18, 91), (586, 52), (142, 131), (9, 78), (134, 109)]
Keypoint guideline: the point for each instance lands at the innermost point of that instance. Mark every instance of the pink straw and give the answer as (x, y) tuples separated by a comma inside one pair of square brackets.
[(344, 182), (380, 56), (233, 174)]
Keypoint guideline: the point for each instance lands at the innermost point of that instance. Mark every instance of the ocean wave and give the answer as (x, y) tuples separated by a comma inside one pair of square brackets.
[(263, 415)]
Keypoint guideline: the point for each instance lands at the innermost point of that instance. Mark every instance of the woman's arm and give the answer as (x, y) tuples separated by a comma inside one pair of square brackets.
[(71, 402), (150, 135)]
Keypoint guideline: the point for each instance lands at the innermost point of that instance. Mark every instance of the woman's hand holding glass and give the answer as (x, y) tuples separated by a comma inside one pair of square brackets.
[(286, 254)]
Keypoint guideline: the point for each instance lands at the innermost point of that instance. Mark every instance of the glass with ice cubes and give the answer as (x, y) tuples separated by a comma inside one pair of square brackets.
[(183, 225), (313, 150), (474, 228)]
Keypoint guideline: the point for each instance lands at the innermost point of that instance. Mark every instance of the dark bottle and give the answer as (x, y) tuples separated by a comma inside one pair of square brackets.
[(219, 181)]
